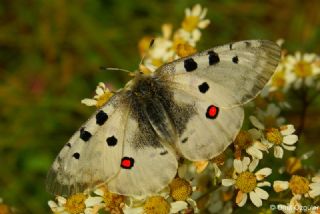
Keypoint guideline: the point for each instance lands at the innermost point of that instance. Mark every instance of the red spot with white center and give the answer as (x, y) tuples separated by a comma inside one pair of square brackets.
[(212, 112), (127, 163)]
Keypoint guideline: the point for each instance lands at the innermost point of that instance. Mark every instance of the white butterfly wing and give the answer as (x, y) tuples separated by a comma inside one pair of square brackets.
[(217, 82), (147, 165), (241, 67), (94, 152)]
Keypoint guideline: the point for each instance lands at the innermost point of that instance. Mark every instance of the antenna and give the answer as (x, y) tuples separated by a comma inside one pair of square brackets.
[(113, 69)]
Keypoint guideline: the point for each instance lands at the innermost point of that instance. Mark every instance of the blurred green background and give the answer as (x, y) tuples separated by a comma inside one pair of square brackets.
[(50, 53)]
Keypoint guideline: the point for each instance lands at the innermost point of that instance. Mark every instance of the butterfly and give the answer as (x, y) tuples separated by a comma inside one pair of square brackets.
[(190, 108)]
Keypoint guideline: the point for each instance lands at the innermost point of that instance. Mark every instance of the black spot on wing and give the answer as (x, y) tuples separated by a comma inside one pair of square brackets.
[(184, 140), (164, 152), (230, 46), (213, 58), (101, 117), (190, 65), (76, 155), (204, 87), (235, 59), (85, 135), (112, 141)]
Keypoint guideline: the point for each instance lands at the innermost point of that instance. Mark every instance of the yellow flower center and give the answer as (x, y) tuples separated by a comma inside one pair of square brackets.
[(180, 189), (190, 23), (303, 69), (246, 181), (156, 205), (278, 79), (299, 185), (293, 164), (273, 135), (103, 99), (185, 49), (75, 203), (4, 209), (111, 200), (243, 140)]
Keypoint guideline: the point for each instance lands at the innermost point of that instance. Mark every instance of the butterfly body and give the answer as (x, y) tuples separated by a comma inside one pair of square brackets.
[(190, 108)]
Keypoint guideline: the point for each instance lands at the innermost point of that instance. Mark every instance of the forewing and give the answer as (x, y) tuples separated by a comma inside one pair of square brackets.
[(93, 154), (241, 67)]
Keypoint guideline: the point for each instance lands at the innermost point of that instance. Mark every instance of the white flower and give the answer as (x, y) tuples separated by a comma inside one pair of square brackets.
[(271, 116), (302, 69), (281, 138), (248, 182), (277, 138), (193, 22), (315, 187), (256, 149), (78, 203), (103, 94)]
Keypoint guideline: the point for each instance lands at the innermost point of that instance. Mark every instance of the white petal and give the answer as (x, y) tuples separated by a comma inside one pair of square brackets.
[(52, 204), (204, 13), (316, 179), (262, 193), (279, 186), (256, 122), (314, 193), (61, 200), (196, 10), (314, 185), (89, 102), (254, 152), (255, 199), (245, 163), (261, 146), (99, 192), (287, 130), (253, 164), (196, 34), (129, 210), (255, 133), (237, 164), (278, 152), (264, 184), (290, 139), (290, 148), (217, 170), (262, 173), (228, 182), (99, 91), (178, 206), (92, 201), (204, 23), (243, 200)]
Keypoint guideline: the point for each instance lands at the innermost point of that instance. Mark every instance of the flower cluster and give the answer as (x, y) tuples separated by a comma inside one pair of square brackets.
[(242, 172)]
